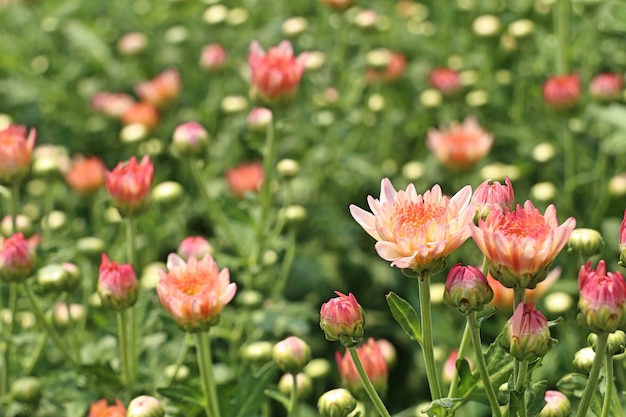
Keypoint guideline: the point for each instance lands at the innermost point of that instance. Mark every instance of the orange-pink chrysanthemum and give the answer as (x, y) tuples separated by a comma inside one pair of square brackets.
[(461, 145), (16, 147), (416, 231), (521, 244), (195, 292)]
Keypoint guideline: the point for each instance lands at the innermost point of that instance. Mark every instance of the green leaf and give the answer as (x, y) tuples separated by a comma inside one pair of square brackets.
[(182, 394), (250, 391), (439, 408), (515, 400), (613, 115), (536, 395), (278, 396), (405, 315), (572, 384), (468, 380), (499, 363)]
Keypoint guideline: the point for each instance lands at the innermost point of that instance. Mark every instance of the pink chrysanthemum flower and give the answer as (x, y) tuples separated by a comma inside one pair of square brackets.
[(416, 231), (342, 319), (520, 245), (195, 292), (129, 185), (526, 335), (16, 147), (493, 195), (160, 90), (461, 145)]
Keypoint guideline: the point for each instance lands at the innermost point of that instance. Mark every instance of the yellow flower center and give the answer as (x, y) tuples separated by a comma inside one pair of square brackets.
[(412, 216), (524, 226)]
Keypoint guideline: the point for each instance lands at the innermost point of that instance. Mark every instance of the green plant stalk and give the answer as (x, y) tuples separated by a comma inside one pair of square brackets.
[(41, 344), (56, 339), (561, 23), (427, 336), (592, 381), (367, 384), (130, 326), (519, 296), (179, 361), (465, 341), (122, 328), (215, 212), (287, 262), (473, 325), (205, 364), (520, 382), (293, 397), (569, 159), (608, 373)]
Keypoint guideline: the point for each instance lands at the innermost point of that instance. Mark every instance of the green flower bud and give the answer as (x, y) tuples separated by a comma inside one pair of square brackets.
[(168, 194), (91, 246), (304, 386), (336, 403), (26, 390), (24, 225), (583, 359), (557, 405), (145, 406), (317, 368), (526, 335), (291, 354), (616, 343), (257, 352), (586, 242), (65, 315)]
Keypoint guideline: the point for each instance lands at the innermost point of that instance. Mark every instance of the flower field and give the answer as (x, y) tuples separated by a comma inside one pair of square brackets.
[(312, 208)]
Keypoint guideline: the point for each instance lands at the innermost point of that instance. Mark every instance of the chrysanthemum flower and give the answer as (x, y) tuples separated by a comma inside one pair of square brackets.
[(129, 185), (342, 319), (520, 245), (160, 90), (16, 147), (493, 195), (195, 292), (86, 175), (18, 257), (461, 145), (117, 284), (245, 178), (416, 231), (373, 363), (101, 408)]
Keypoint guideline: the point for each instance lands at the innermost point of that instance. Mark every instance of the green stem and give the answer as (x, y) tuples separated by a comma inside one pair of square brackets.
[(269, 154), (520, 383), (427, 336), (179, 361), (473, 325), (367, 384), (287, 262), (608, 372), (56, 339), (465, 342), (592, 381), (205, 363), (561, 23), (131, 328), (569, 166), (293, 398), (124, 349), (41, 344)]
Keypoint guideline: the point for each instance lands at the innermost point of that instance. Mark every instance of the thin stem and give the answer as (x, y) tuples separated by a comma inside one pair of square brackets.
[(569, 163), (205, 363), (293, 398), (131, 328), (472, 324), (287, 262), (520, 382), (592, 381), (561, 23), (123, 345), (269, 152), (41, 344), (465, 342), (179, 361), (56, 339), (367, 384), (608, 394), (427, 336)]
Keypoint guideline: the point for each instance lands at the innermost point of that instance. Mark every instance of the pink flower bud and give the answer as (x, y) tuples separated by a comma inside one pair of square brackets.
[(117, 284), (141, 113), (16, 147), (562, 92), (17, 258), (86, 175), (291, 354), (607, 87), (557, 405), (259, 119), (373, 363), (245, 178), (194, 247), (160, 90), (129, 186), (446, 80), (132, 43), (526, 335), (342, 319), (602, 302), (622, 242), (213, 57), (190, 139), (492, 195), (467, 289), (112, 104), (145, 406)]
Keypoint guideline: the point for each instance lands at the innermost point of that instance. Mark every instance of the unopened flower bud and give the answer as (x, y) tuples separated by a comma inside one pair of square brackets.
[(214, 57), (294, 213), (526, 335), (562, 92), (374, 365), (304, 386), (602, 301), (24, 225), (132, 43), (257, 352), (467, 289), (177, 373), (583, 359), (492, 195), (342, 319), (586, 242), (291, 354), (117, 284), (190, 139), (17, 258), (607, 87), (288, 168), (65, 315), (90, 246), (249, 298), (486, 25), (234, 104), (616, 343), (145, 406), (388, 351), (317, 368), (167, 194), (336, 403), (557, 405), (56, 278), (26, 390), (259, 119), (194, 246), (294, 26)]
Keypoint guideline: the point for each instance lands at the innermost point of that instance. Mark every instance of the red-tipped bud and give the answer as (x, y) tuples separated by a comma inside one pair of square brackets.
[(607, 87), (117, 284), (336, 403), (214, 57), (342, 319), (493, 195), (194, 247), (129, 186), (259, 119), (526, 335), (291, 354), (245, 178), (373, 363), (190, 139), (622, 242), (145, 406), (602, 302), (17, 258), (467, 289), (160, 90), (562, 92), (16, 147), (446, 80), (557, 405)]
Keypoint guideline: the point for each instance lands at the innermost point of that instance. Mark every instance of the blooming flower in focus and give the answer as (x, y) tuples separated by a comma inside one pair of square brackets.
[(342, 319), (416, 231), (161, 89), (607, 87), (276, 74), (493, 195), (213, 57), (16, 147), (446, 80), (195, 292), (503, 297), (112, 104), (86, 175), (129, 185), (461, 145), (194, 247), (246, 178), (562, 92), (117, 284), (101, 408), (520, 245), (17, 257), (373, 363), (467, 288), (526, 336), (602, 302), (141, 113)]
